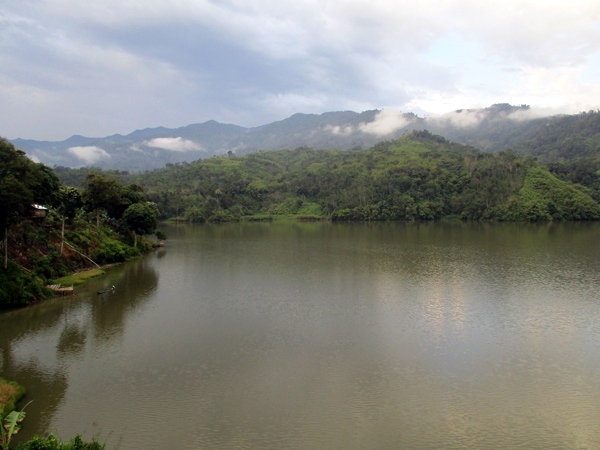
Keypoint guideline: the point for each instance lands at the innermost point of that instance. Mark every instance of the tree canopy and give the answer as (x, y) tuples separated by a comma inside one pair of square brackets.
[(140, 218), (420, 176), (23, 183)]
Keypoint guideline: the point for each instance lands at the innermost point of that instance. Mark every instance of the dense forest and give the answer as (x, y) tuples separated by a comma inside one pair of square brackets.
[(74, 229), (570, 146), (420, 176), (566, 138)]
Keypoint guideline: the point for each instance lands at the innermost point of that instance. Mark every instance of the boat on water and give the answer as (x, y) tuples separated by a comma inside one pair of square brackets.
[(105, 291)]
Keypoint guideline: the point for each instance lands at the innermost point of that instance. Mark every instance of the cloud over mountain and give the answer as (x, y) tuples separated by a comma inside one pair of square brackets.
[(386, 122), (89, 154), (176, 144)]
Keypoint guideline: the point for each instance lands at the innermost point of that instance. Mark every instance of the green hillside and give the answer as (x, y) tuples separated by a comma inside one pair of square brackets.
[(417, 177), (566, 138)]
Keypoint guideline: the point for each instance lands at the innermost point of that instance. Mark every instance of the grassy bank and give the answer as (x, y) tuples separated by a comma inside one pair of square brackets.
[(10, 393), (78, 278)]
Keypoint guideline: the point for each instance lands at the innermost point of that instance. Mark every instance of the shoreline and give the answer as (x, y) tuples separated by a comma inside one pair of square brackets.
[(78, 278)]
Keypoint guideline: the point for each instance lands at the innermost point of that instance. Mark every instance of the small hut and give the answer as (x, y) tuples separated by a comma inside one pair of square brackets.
[(37, 212)]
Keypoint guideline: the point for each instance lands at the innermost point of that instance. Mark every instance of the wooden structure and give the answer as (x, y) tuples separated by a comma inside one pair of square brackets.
[(61, 290), (37, 212)]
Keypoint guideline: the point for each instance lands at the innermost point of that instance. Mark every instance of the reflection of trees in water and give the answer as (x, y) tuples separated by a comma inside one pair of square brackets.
[(134, 281), (65, 324), (71, 340), (46, 386)]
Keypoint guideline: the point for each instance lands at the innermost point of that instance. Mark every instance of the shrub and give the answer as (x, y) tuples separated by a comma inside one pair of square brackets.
[(310, 209), (223, 216), (52, 443), (18, 288), (112, 251)]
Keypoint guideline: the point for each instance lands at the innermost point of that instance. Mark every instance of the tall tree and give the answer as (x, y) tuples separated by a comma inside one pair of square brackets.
[(15, 193), (140, 218), (101, 193)]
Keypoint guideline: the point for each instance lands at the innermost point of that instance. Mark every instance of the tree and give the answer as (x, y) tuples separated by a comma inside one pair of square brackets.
[(44, 184), (71, 201), (174, 200), (22, 183), (140, 218), (130, 194), (15, 195), (101, 193)]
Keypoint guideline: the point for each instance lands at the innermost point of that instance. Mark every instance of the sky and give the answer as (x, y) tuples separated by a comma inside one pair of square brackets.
[(113, 66)]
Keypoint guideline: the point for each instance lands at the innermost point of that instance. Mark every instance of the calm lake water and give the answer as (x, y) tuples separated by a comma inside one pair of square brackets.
[(318, 335)]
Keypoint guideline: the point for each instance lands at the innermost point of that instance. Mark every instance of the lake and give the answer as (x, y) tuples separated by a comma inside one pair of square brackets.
[(325, 335)]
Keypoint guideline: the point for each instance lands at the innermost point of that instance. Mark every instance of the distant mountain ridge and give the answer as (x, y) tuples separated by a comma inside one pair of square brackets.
[(494, 128)]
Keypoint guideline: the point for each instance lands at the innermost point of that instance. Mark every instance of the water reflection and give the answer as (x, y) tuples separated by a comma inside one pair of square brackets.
[(71, 341), (38, 344), (46, 384), (134, 282), (325, 335)]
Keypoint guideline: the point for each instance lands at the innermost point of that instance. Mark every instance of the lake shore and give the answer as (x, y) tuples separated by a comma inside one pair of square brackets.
[(78, 278)]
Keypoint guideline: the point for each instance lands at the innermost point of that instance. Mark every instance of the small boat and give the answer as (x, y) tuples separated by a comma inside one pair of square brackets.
[(112, 289)]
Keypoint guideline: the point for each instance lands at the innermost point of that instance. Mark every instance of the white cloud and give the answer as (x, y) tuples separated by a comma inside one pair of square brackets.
[(386, 122), (340, 130), (176, 144), (523, 115), (96, 68), (136, 148), (460, 118), (89, 154)]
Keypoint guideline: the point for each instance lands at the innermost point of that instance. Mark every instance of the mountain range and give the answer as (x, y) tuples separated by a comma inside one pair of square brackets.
[(495, 128)]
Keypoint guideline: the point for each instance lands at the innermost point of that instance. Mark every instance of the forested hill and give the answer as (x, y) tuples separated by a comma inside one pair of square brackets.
[(417, 177), (565, 138)]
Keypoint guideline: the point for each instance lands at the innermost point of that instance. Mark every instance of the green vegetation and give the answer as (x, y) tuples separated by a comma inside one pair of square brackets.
[(544, 197), (53, 443), (10, 393), (10, 424), (566, 138), (78, 278), (22, 184), (418, 177), (74, 231), (140, 218)]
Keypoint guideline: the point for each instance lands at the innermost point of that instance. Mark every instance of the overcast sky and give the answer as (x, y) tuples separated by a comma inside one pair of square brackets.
[(113, 66)]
